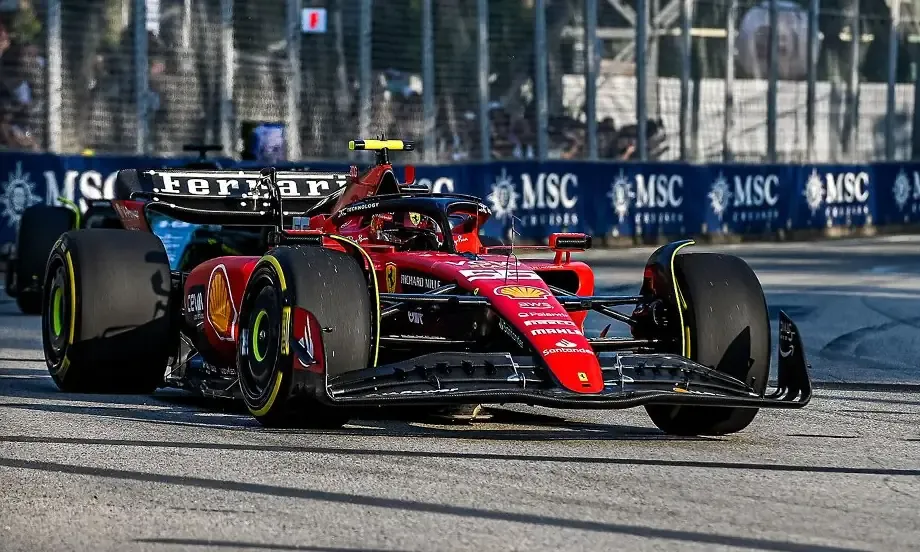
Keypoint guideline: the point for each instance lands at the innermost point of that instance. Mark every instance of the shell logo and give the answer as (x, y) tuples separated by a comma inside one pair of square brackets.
[(522, 292), (221, 312)]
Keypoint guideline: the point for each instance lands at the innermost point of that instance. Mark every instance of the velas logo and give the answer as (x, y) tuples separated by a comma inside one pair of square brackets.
[(221, 311), (521, 292)]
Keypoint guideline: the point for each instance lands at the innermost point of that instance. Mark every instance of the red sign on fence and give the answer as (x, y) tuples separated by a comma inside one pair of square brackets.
[(314, 20)]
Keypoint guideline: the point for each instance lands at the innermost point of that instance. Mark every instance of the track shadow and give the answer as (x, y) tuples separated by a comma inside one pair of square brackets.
[(415, 506), (181, 409), (236, 545), (441, 455)]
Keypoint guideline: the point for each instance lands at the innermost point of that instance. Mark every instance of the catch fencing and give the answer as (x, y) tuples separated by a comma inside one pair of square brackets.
[(831, 81)]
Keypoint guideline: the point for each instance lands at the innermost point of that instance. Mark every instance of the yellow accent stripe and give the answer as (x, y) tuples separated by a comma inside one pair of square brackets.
[(373, 272), (376, 144), (285, 330), (274, 262), (681, 304), (73, 207), (73, 297), (271, 398)]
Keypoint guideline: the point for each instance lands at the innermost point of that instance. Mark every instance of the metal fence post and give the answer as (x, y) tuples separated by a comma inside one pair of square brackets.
[(686, 16), (893, 44), (54, 78), (591, 77), (641, 78), (365, 39), (540, 70), (485, 134), (141, 78), (292, 118), (811, 93), (187, 60), (852, 127), (228, 70), (728, 152), (772, 77), (428, 84)]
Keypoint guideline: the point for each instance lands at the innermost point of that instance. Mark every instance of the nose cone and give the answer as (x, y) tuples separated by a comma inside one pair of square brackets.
[(537, 315)]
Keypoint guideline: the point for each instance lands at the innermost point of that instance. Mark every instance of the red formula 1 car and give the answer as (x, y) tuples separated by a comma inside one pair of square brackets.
[(372, 292)]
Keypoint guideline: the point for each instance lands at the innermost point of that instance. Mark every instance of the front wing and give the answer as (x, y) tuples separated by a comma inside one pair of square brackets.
[(630, 380)]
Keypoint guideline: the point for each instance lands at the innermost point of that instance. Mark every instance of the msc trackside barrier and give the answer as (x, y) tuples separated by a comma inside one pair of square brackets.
[(605, 199)]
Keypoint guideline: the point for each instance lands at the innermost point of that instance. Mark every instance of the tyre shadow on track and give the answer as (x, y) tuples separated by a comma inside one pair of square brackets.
[(176, 408), (416, 506)]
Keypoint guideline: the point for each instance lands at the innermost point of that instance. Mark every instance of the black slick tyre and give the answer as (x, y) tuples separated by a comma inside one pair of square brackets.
[(729, 330), (106, 314), (39, 229), (332, 287)]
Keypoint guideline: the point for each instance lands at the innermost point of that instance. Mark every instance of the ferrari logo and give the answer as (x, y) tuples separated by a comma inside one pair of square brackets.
[(521, 292), (582, 376), (416, 218), (391, 277)]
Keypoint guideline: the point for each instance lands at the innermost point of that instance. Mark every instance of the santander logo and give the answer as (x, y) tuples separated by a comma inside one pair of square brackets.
[(565, 343)]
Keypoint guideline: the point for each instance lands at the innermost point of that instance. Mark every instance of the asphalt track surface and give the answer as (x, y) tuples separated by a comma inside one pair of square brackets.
[(172, 472)]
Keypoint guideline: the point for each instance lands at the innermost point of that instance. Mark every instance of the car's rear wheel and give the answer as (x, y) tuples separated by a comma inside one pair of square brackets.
[(39, 229), (106, 317), (729, 329), (332, 287)]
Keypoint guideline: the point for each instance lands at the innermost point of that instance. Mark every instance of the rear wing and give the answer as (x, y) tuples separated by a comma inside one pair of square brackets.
[(233, 197)]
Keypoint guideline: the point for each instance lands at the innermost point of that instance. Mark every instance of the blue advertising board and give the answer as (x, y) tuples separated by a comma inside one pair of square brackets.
[(598, 198)]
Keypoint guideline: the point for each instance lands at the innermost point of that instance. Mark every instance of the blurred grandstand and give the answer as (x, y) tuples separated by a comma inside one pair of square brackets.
[(187, 42)]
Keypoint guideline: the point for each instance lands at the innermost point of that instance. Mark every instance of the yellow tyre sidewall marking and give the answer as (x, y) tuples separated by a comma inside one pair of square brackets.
[(681, 303)]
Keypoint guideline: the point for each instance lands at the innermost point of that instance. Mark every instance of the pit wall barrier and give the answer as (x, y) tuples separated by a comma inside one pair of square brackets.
[(614, 202)]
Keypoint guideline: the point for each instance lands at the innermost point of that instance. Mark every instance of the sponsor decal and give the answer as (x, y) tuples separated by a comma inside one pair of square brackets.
[(194, 302), (391, 274), (418, 392), (499, 274), (753, 198), (522, 292), (415, 318), (547, 198), (656, 199), (550, 323), (534, 305), (842, 194), (582, 377), (307, 343), (415, 218), (566, 346), (555, 331), (359, 208), (419, 281), (548, 352), (505, 327), (547, 314), (246, 185), (221, 311)]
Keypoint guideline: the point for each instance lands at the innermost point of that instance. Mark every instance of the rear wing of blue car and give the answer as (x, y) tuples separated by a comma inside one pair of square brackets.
[(233, 197)]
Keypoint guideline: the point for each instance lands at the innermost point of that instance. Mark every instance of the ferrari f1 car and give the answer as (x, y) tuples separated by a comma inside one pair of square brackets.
[(371, 292)]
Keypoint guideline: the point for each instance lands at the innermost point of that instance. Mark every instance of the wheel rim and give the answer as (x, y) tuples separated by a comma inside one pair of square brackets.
[(57, 319), (261, 335)]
